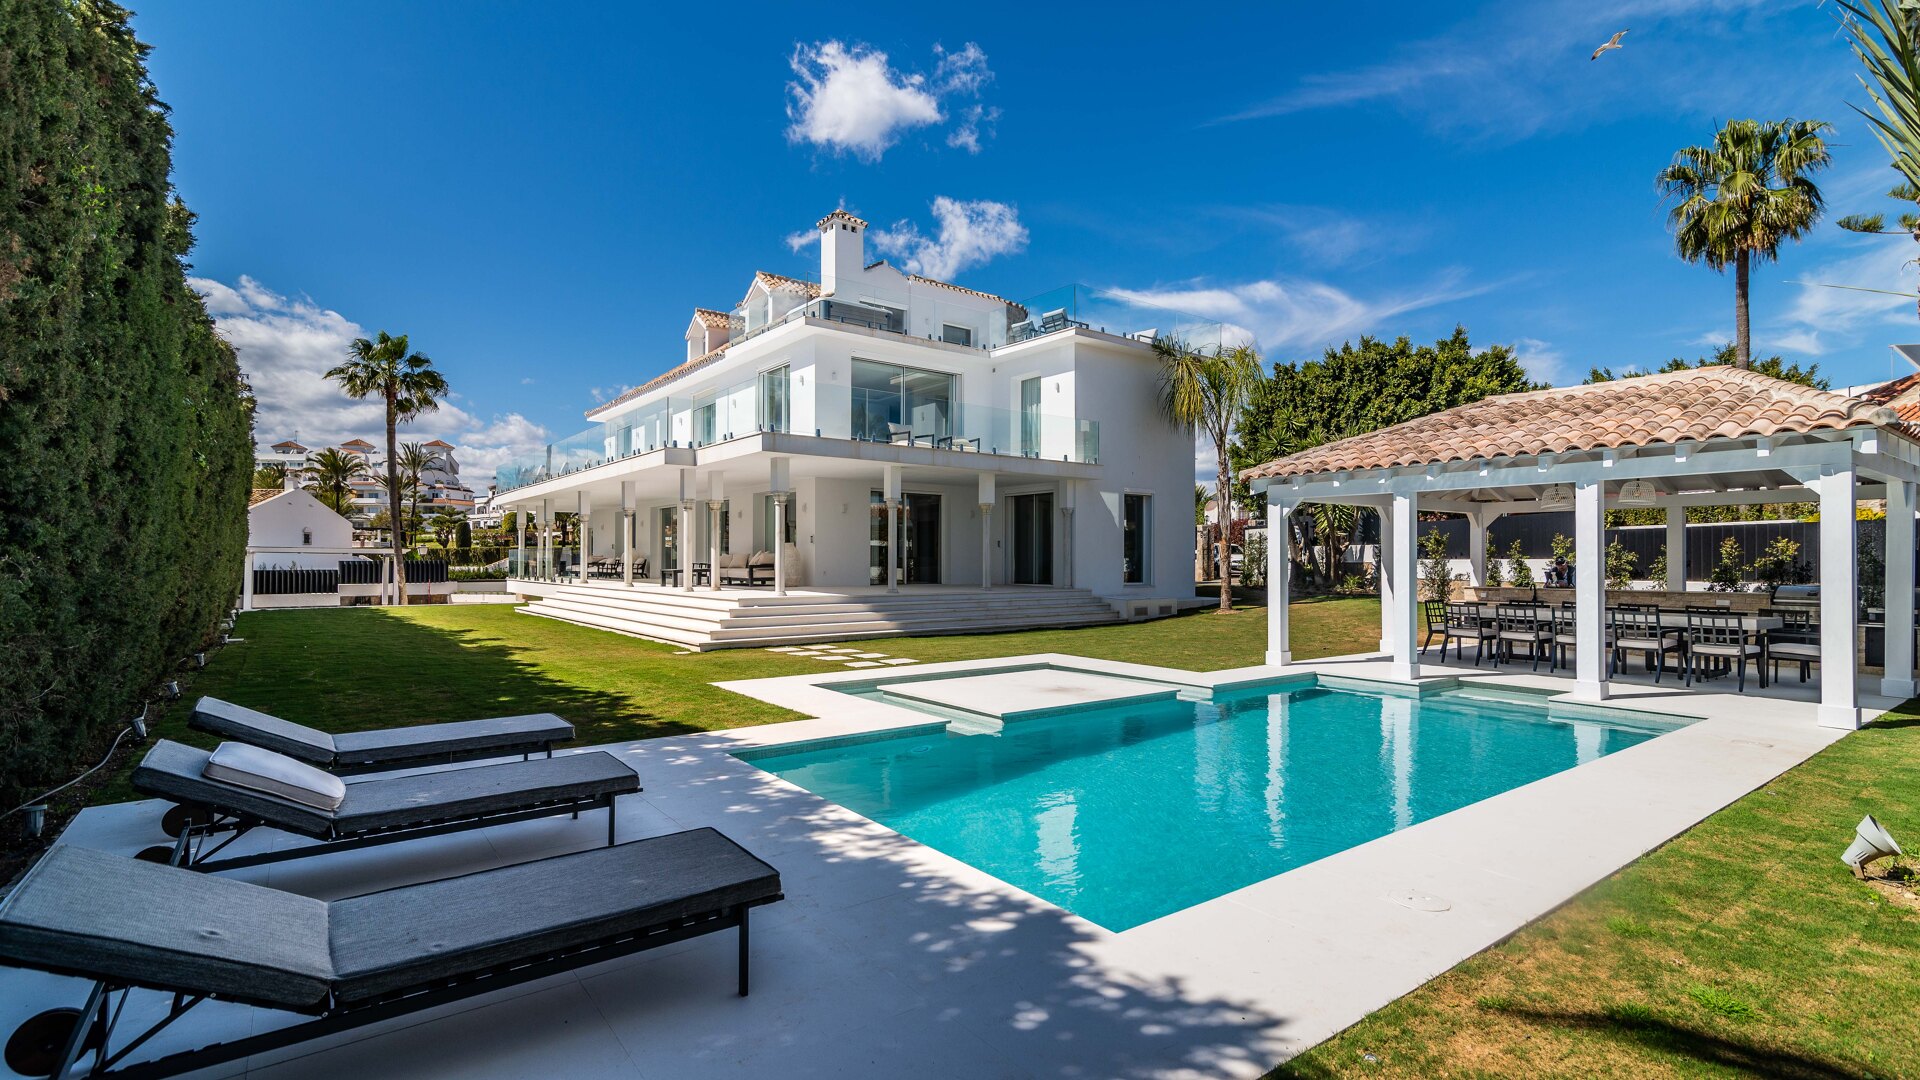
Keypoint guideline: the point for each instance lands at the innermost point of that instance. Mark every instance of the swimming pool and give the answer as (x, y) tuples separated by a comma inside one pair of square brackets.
[(1126, 812)]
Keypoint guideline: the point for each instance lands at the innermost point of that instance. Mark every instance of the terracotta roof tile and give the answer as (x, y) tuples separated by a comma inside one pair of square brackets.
[(260, 495), (1683, 406), (770, 282), (716, 320), (958, 288), (840, 215)]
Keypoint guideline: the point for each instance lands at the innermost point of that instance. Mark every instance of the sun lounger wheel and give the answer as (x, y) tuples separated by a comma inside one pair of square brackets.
[(35, 1046)]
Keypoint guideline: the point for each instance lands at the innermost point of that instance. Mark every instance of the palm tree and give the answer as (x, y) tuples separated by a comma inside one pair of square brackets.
[(271, 475), (332, 472), (1206, 389), (407, 384), (416, 461), (1738, 200)]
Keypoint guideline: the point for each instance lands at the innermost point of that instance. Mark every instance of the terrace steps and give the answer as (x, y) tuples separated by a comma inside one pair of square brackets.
[(736, 619)]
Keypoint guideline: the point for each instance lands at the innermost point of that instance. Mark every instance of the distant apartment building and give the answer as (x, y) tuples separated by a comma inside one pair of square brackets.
[(440, 487)]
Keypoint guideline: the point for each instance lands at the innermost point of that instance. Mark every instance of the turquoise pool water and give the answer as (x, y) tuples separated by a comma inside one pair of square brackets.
[(1125, 813)]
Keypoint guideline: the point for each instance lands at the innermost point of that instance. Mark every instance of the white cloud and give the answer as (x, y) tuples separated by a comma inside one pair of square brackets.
[(970, 234), (805, 238), (285, 346), (966, 134), (1712, 339), (849, 99), (1821, 318), (1544, 363), (1514, 70), (1294, 313), (603, 394)]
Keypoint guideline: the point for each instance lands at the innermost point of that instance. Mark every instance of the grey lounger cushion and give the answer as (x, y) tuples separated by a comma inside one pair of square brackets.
[(174, 771), (276, 774), (407, 937), (97, 915), (389, 745)]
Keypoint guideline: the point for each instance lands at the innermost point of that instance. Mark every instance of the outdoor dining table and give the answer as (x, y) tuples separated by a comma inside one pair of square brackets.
[(1670, 618)]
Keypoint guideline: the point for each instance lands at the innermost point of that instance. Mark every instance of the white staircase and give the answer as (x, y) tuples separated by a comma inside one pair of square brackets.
[(739, 619)]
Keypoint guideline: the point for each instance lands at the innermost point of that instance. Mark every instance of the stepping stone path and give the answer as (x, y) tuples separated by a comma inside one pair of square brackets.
[(843, 655)]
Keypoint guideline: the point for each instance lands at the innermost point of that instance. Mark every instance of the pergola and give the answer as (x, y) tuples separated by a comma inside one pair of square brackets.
[(1709, 436)]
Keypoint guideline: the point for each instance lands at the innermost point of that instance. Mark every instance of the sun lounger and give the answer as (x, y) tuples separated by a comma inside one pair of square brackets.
[(375, 811), (387, 748), (129, 925)]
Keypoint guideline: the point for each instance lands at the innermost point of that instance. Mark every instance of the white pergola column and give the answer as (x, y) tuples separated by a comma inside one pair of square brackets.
[(1898, 680), (1477, 525), (626, 532), (1839, 599), (1384, 568), (586, 534), (1406, 591), (890, 494), (1676, 549), (1279, 565), (1590, 591), (986, 530)]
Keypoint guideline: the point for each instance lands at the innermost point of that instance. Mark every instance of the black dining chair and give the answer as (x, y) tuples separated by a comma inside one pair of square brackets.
[(1797, 640), (1464, 622), (1526, 624), (1436, 614), (1642, 632), (1726, 639)]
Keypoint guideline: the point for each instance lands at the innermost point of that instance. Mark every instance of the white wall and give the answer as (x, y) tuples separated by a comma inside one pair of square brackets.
[(296, 519)]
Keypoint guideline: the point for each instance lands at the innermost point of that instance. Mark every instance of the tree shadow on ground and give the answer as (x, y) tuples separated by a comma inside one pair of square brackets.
[(353, 671), (1707, 1047)]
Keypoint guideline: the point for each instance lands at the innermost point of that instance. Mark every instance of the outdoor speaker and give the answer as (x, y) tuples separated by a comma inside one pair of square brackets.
[(1870, 842)]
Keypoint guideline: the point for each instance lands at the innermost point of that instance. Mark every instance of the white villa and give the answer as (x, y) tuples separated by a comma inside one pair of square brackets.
[(908, 453)]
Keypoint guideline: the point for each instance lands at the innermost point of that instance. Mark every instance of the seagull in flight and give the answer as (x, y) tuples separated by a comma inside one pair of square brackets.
[(1612, 43)]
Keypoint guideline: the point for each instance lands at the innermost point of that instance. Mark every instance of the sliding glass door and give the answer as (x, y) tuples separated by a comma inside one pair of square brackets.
[(919, 557), (901, 404), (1033, 539)]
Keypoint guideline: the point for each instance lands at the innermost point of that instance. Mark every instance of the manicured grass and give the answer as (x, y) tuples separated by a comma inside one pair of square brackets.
[(346, 669), (1741, 948)]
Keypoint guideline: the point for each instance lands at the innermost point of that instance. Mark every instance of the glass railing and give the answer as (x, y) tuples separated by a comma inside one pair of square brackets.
[(1079, 307), (881, 417), (763, 403)]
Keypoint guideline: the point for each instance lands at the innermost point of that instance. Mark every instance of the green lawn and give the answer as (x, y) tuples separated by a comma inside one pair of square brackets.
[(1741, 948), (343, 669)]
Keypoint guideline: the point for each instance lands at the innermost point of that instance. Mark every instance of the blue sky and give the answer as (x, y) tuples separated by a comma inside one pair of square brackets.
[(539, 195)]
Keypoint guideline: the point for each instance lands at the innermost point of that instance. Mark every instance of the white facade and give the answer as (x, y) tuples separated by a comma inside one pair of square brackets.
[(280, 527), (1015, 446)]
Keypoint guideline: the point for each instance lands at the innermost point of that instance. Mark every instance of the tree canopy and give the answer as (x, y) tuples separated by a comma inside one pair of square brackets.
[(1724, 356), (1359, 388)]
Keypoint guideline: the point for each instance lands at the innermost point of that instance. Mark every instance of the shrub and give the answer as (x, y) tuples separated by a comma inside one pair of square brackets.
[(1495, 573), (1519, 571), (1253, 559), (1620, 563), (1779, 564), (1436, 579), (124, 420), (1729, 570)]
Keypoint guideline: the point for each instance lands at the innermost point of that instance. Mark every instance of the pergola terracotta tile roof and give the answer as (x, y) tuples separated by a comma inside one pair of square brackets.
[(1900, 395), (1682, 406)]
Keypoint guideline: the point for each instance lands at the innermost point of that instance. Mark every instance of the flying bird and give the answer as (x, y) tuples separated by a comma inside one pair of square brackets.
[(1612, 43)]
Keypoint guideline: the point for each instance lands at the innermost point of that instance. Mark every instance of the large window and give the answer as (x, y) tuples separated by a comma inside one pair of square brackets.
[(774, 397), (956, 335), (1135, 539), (766, 521), (1030, 424), (705, 410), (897, 404)]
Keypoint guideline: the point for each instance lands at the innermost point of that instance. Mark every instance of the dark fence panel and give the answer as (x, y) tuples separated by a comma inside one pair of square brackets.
[(359, 572), (369, 571), (282, 582)]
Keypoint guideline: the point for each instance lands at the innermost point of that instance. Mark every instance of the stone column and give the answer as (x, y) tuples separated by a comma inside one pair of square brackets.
[(683, 545), (586, 534), (1590, 591), (1279, 566), (986, 530), (628, 532), (1406, 591), (1676, 549), (713, 543), (1898, 680), (779, 543), (893, 545), (1839, 603), (520, 541)]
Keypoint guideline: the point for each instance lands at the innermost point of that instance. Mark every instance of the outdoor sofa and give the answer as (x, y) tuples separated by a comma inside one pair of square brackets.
[(754, 569), (127, 925), (380, 810), (386, 748)]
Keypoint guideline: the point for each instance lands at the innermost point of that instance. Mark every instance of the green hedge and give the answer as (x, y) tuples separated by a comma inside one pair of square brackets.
[(125, 441)]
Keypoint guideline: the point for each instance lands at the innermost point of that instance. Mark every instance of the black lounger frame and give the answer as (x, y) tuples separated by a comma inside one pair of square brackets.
[(101, 1014), (201, 822)]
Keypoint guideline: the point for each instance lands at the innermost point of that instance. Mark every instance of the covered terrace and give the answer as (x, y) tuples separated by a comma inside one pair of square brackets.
[(1711, 436)]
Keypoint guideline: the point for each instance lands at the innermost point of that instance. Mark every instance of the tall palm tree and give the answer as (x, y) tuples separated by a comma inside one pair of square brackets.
[(416, 461), (1206, 389), (407, 384), (332, 472), (271, 475), (1736, 201)]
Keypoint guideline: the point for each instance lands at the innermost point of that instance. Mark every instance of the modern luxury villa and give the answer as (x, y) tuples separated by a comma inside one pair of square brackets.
[(871, 453)]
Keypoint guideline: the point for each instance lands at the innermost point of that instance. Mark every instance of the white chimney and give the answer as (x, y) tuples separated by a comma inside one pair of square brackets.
[(842, 251)]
